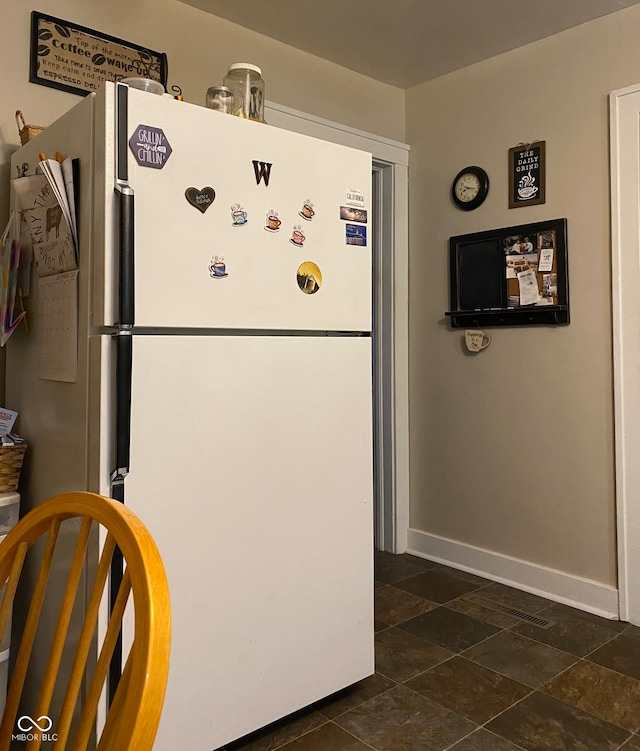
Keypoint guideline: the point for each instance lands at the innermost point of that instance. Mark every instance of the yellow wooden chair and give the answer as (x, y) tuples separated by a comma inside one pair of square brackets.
[(132, 719)]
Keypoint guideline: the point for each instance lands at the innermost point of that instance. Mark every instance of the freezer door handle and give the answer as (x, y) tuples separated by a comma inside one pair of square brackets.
[(122, 122), (126, 304)]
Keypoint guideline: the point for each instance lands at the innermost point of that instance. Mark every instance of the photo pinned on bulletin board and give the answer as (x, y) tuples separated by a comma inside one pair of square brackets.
[(528, 286), (546, 259), (520, 255), (546, 239), (517, 264), (549, 285)]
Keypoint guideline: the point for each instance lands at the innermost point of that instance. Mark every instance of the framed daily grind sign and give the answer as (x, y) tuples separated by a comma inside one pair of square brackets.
[(527, 174), (76, 59)]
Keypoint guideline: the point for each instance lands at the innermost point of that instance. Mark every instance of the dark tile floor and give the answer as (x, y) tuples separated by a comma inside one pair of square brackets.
[(454, 674)]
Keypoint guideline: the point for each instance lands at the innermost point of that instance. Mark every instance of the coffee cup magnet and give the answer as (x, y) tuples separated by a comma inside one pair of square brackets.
[(272, 223), (476, 340), (297, 236), (238, 215), (202, 198), (218, 268), (307, 211)]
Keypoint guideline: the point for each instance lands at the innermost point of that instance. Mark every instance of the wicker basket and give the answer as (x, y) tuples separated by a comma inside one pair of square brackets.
[(27, 132), (11, 458)]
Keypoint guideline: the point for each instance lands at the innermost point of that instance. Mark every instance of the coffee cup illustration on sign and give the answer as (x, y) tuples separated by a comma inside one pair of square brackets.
[(476, 340), (272, 222)]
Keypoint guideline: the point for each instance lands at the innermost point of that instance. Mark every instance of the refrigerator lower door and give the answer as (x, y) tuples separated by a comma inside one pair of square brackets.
[(251, 464)]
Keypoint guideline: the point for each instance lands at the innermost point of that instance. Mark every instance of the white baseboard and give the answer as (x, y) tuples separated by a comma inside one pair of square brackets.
[(584, 594)]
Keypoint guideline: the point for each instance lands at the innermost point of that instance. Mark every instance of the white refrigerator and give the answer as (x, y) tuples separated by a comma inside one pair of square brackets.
[(223, 392)]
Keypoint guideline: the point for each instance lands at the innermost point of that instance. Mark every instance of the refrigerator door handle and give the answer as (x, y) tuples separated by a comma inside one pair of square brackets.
[(126, 303), (125, 195), (124, 368), (122, 120), (124, 354)]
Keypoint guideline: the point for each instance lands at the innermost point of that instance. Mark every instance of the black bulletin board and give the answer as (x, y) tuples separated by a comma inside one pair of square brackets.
[(485, 270)]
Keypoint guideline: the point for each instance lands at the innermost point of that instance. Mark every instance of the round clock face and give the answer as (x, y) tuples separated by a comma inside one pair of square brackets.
[(470, 188), (467, 187)]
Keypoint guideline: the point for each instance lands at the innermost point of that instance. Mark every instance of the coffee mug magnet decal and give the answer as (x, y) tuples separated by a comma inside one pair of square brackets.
[(307, 211), (218, 268), (238, 215), (272, 223), (297, 237), (476, 340)]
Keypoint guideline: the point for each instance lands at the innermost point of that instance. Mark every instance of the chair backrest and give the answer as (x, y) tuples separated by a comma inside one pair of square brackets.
[(133, 716)]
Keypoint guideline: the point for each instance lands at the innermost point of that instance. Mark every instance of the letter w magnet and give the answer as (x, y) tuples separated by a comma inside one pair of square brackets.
[(262, 170)]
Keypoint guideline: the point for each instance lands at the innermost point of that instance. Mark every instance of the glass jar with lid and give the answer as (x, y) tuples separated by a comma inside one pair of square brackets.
[(245, 81), (221, 98)]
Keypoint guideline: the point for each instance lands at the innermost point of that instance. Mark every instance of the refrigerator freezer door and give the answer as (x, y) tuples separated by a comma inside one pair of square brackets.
[(209, 196), (251, 466)]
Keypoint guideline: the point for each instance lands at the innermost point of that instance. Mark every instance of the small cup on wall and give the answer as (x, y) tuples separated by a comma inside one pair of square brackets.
[(476, 340)]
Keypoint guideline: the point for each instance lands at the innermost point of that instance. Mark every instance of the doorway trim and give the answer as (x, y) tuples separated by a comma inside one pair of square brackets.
[(624, 122), (391, 290)]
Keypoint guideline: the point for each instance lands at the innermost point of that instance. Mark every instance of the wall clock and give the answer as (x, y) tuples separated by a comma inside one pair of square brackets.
[(470, 187)]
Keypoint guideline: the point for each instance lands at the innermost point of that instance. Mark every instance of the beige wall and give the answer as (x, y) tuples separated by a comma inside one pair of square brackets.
[(199, 47), (512, 449)]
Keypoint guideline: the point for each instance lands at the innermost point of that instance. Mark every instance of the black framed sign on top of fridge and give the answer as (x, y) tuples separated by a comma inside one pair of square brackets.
[(76, 59), (527, 174)]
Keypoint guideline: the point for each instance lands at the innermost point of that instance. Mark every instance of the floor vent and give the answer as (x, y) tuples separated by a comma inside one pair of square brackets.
[(498, 607)]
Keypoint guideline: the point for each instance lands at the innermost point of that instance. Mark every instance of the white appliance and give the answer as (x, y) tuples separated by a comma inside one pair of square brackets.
[(250, 428)]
